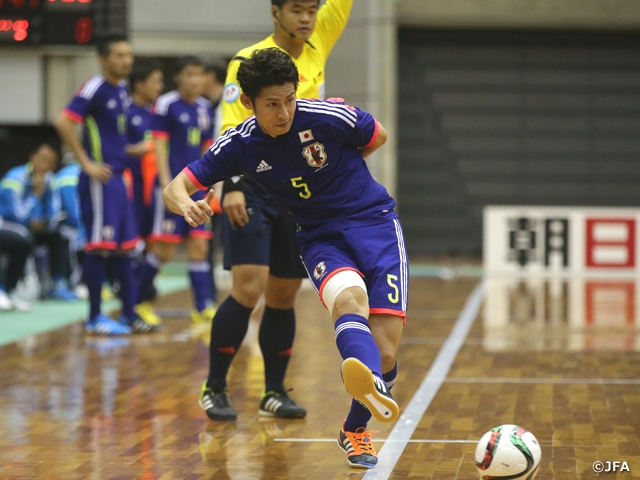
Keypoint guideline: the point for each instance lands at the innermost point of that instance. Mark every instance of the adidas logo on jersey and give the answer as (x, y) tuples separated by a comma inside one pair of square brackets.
[(263, 167)]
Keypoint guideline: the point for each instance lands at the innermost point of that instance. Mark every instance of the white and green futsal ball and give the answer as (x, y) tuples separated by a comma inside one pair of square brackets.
[(508, 452)]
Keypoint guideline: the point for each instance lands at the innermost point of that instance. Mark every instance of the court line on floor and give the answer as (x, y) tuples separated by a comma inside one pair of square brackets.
[(405, 426), (383, 440), (568, 381)]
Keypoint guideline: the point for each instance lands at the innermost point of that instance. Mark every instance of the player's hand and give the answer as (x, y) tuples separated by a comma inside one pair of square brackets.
[(38, 184), (38, 226), (99, 172), (199, 212), (140, 149), (235, 206)]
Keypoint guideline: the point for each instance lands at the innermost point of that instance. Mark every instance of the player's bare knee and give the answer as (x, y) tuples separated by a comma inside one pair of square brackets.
[(388, 358), (247, 293), (281, 293), (164, 251), (249, 282), (197, 249)]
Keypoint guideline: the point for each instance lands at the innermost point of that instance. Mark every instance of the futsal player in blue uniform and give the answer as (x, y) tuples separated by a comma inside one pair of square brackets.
[(309, 155), (183, 130), (146, 83), (102, 105)]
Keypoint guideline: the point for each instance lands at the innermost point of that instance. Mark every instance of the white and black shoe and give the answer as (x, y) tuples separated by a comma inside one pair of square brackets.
[(279, 404), (216, 404), (369, 390)]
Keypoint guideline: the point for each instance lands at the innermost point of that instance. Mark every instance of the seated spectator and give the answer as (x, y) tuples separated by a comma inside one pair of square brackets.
[(16, 244), (26, 198)]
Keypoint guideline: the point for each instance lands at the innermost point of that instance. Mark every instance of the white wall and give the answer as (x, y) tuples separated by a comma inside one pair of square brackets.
[(22, 92)]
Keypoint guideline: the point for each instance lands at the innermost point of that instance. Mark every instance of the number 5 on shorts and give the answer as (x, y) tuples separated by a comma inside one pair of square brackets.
[(393, 298), (306, 193)]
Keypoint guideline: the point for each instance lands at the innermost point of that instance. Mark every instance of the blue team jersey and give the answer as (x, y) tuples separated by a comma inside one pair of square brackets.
[(19, 204), (187, 126), (316, 169), (103, 108), (139, 129)]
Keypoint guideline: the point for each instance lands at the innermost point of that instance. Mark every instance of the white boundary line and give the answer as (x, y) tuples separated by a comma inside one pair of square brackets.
[(405, 426), (332, 440), (554, 381)]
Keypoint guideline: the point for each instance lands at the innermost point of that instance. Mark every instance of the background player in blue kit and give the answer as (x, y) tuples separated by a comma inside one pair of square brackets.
[(107, 212), (146, 83), (309, 155), (183, 130)]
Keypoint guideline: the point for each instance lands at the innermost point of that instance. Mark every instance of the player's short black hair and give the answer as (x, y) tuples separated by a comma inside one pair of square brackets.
[(218, 67), (266, 68), (281, 3), (106, 42), (142, 69), (186, 61)]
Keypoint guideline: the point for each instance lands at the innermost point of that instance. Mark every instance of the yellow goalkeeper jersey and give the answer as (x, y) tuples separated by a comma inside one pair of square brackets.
[(331, 21)]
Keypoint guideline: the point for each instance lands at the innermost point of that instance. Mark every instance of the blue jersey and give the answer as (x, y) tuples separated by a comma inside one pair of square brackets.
[(139, 129), (316, 169), (19, 204), (187, 126), (66, 195), (103, 108)]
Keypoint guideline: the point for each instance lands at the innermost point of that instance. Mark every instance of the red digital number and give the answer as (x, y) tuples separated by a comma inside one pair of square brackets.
[(84, 30), (20, 28)]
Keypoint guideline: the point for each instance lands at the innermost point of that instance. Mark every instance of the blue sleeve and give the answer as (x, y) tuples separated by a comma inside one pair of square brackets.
[(69, 205), (78, 109), (352, 125), (219, 163), (16, 207), (160, 124)]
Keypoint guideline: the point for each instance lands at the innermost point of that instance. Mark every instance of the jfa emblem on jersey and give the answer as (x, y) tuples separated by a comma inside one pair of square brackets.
[(108, 232), (315, 155), (319, 271), (168, 226)]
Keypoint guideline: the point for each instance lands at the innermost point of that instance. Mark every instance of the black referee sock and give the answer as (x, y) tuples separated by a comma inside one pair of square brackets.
[(277, 330), (228, 329)]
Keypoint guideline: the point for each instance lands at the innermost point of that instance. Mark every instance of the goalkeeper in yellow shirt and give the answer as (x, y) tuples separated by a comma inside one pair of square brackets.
[(260, 246)]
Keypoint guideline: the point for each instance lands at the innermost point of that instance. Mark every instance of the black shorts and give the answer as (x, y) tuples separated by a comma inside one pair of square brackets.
[(268, 239)]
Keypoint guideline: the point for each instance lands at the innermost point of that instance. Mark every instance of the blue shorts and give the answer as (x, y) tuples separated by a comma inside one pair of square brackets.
[(268, 239), (142, 211), (107, 214), (171, 227), (376, 252)]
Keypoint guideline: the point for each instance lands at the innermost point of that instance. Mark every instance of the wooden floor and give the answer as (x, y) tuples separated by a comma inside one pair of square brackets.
[(560, 358)]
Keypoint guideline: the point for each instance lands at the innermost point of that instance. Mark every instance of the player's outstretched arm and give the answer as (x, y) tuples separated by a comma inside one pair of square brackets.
[(381, 139), (177, 198)]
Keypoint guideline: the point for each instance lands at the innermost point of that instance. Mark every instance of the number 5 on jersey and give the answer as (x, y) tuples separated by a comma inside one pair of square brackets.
[(305, 193)]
